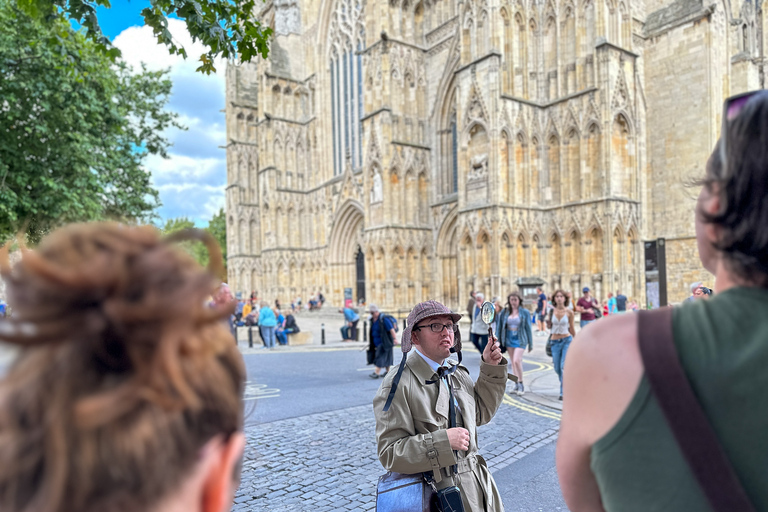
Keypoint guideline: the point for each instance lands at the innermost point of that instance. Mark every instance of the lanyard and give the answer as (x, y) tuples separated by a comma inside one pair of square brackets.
[(443, 373)]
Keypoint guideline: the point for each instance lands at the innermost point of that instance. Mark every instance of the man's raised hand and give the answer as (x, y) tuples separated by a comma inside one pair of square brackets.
[(492, 352)]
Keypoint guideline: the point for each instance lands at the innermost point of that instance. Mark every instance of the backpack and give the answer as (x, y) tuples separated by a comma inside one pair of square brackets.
[(394, 321)]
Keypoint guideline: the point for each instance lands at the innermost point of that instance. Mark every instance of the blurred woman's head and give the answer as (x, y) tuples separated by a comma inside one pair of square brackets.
[(514, 301), (732, 211), (560, 298), (126, 395)]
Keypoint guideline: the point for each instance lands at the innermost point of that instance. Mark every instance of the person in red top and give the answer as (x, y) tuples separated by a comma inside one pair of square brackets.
[(584, 306)]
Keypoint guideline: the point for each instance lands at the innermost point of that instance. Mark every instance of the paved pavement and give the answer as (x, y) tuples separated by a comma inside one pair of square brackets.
[(311, 433), (310, 428)]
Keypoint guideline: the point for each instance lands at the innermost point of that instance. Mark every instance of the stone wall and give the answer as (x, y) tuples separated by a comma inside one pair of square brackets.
[(499, 141)]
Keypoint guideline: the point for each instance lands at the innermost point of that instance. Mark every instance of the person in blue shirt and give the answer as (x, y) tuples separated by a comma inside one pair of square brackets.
[(267, 324), (541, 312), (612, 306), (621, 302), (280, 335), (349, 330)]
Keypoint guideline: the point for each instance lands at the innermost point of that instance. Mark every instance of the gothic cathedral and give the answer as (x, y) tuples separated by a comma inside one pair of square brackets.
[(415, 149)]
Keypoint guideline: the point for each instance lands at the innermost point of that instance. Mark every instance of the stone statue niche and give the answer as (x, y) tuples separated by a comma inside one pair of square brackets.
[(477, 174)]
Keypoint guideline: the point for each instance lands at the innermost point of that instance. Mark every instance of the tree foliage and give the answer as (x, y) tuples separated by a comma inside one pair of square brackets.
[(197, 250), (75, 128), (228, 28)]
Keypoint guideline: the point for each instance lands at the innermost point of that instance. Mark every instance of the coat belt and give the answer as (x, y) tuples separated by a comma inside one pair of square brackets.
[(465, 465)]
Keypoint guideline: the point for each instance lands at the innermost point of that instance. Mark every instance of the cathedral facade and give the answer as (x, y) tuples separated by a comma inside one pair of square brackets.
[(415, 149)]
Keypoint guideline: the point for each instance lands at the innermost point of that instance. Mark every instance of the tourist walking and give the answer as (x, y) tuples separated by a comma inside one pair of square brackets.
[(561, 333), (586, 306), (513, 326), (382, 340), (541, 311), (478, 331), (621, 302), (620, 445), (267, 324)]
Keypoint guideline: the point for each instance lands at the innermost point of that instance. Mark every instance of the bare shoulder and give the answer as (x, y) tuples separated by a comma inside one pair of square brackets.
[(604, 371)]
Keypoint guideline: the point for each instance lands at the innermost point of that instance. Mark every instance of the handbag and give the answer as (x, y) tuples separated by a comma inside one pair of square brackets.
[(692, 430), (397, 492), (370, 355), (549, 346)]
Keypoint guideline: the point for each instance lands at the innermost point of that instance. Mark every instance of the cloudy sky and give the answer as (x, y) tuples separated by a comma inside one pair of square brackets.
[(191, 182)]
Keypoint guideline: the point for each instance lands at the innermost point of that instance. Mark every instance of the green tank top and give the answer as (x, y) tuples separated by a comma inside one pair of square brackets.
[(723, 346)]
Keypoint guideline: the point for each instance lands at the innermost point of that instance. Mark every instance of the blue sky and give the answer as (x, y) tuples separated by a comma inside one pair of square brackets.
[(191, 182)]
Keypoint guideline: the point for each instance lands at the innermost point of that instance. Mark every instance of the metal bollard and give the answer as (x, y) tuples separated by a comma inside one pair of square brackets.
[(365, 330), (250, 337), (322, 334)]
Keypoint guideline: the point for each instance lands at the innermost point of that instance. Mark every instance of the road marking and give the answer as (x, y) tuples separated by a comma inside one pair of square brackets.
[(540, 367), (254, 391), (524, 406)]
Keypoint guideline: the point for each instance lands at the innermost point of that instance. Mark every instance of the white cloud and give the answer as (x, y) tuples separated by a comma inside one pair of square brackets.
[(191, 182)]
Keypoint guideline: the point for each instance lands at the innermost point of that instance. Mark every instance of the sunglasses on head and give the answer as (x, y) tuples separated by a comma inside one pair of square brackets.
[(732, 107)]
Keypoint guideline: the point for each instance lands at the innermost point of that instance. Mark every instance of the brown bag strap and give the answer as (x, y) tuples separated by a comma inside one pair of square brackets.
[(687, 420)]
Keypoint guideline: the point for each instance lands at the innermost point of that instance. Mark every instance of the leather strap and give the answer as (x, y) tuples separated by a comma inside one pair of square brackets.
[(685, 416), (444, 372), (395, 382)]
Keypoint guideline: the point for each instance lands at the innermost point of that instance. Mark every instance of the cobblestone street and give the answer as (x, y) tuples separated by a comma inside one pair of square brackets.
[(327, 461)]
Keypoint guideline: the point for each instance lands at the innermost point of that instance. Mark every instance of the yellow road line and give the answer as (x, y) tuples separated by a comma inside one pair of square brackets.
[(540, 367), (545, 413)]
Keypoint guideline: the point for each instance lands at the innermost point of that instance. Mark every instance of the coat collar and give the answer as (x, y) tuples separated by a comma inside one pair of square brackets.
[(424, 372)]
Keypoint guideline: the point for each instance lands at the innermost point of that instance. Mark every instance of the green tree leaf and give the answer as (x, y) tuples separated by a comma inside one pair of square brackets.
[(75, 128), (227, 28)]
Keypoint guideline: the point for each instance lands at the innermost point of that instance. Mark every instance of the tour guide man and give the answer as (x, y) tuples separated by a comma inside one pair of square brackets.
[(412, 422)]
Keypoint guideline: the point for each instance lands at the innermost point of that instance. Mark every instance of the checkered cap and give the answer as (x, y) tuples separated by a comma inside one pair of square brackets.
[(424, 310)]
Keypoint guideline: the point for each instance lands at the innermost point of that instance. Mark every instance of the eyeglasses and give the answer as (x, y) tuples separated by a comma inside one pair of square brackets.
[(437, 327), (731, 108)]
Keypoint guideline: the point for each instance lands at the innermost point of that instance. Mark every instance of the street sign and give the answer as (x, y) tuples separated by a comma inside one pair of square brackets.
[(655, 273)]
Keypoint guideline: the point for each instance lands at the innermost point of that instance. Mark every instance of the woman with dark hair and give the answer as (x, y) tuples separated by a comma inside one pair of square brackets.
[(126, 395), (616, 449), (562, 331), (513, 328)]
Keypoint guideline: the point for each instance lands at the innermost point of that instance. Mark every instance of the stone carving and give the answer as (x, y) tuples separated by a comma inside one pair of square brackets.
[(478, 167), (377, 194)]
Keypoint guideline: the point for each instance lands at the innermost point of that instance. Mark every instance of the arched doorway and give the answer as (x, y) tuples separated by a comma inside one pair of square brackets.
[(344, 252)]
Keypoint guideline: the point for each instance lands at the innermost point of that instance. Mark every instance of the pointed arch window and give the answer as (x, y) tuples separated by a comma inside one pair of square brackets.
[(347, 37), (454, 154)]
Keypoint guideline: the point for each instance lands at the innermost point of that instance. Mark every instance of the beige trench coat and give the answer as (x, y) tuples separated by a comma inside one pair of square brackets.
[(415, 427)]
